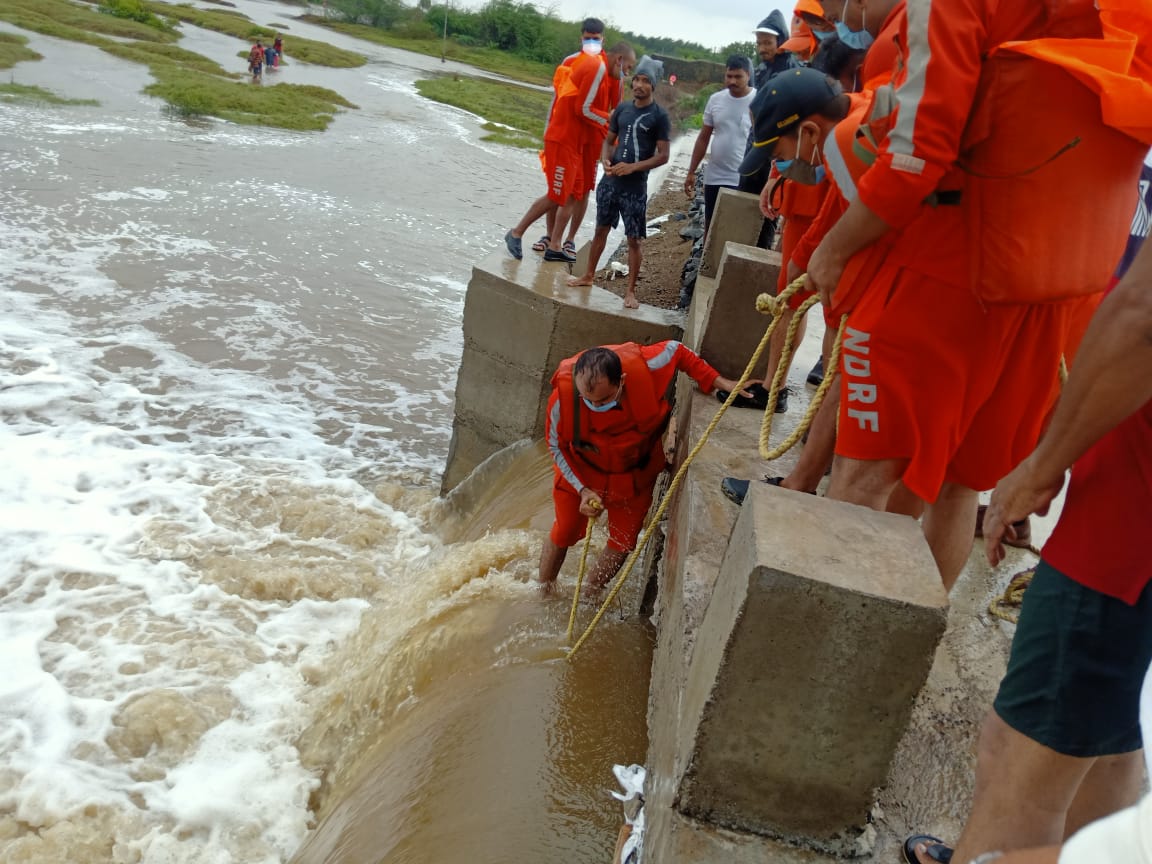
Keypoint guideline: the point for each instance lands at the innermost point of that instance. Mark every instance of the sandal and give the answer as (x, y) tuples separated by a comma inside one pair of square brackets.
[(541, 244), (935, 849), (569, 246)]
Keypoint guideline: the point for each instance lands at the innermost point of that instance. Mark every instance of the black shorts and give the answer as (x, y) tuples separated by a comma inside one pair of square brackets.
[(1078, 661), (628, 200)]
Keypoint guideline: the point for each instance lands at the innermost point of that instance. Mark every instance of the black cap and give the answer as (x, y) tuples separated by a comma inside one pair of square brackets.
[(592, 25), (787, 99), (774, 23)]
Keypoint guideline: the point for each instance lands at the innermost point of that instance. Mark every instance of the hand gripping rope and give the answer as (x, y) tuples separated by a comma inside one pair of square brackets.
[(1006, 607), (767, 305)]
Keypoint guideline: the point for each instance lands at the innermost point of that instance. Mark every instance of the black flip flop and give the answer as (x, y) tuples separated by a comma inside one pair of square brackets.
[(758, 401), (935, 849)]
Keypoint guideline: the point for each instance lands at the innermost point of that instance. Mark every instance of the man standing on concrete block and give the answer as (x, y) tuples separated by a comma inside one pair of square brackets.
[(638, 135), (606, 420), (584, 102)]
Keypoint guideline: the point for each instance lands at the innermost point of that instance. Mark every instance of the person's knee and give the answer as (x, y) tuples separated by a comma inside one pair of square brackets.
[(862, 480), (954, 493)]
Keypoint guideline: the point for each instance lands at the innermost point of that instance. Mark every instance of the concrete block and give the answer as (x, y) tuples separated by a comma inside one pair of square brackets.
[(732, 327), (503, 398), (493, 308), (736, 219), (821, 630)]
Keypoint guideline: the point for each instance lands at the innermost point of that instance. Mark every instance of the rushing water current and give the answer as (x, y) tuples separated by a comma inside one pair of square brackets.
[(230, 623)]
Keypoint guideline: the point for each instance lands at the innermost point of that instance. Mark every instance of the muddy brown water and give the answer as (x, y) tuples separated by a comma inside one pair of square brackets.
[(236, 624)]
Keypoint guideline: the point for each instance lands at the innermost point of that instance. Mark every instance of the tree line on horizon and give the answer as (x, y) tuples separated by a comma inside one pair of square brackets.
[(519, 28)]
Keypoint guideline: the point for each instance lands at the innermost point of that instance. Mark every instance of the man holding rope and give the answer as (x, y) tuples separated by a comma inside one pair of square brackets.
[(605, 424), (958, 311)]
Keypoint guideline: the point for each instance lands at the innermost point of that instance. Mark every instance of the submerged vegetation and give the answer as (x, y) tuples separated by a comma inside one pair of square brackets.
[(191, 84), (516, 114), (14, 49), (28, 93), (234, 24)]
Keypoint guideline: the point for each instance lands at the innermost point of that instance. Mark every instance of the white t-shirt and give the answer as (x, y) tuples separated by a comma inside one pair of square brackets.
[(730, 122), (1124, 837)]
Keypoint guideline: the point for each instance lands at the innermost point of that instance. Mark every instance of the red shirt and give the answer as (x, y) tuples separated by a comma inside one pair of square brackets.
[(1100, 538)]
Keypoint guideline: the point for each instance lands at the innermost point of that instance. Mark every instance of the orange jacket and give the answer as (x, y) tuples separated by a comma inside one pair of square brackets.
[(585, 99), (999, 103), (619, 452), (841, 158)]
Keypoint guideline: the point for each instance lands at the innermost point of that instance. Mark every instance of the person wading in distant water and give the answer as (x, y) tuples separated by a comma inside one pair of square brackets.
[(638, 134), (256, 60), (604, 427)]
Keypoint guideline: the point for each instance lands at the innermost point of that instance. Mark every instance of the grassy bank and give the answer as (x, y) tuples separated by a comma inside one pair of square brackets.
[(14, 49), (488, 59), (27, 93), (516, 115), (234, 24), (191, 84)]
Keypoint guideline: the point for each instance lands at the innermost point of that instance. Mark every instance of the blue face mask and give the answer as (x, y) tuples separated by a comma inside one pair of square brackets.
[(821, 35), (858, 40), (600, 409), (592, 46), (801, 171)]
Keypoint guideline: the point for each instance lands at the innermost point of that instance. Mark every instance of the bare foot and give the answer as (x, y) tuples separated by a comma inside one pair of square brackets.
[(630, 301), (547, 589), (581, 280)]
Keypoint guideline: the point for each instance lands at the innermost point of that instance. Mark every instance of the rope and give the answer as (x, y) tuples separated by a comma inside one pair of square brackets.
[(1006, 607), (768, 453), (764, 303), (580, 575)]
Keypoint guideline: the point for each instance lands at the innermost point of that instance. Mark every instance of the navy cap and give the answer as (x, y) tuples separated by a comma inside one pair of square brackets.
[(786, 100)]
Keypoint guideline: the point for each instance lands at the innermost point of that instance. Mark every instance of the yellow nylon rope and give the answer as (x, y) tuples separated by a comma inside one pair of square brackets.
[(764, 303), (580, 576), (767, 452)]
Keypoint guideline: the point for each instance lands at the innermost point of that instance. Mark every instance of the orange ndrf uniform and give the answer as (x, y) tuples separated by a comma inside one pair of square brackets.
[(843, 165), (617, 453), (578, 125), (1004, 118)]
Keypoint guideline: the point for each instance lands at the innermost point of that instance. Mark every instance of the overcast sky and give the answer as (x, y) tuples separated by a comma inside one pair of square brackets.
[(690, 20)]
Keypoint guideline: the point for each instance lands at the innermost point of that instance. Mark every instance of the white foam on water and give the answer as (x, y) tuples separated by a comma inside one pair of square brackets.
[(210, 363)]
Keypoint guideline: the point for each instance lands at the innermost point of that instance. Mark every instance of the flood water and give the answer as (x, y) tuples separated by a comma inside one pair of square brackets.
[(230, 622)]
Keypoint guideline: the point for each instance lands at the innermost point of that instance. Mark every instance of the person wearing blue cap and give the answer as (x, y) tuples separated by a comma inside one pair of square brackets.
[(638, 136)]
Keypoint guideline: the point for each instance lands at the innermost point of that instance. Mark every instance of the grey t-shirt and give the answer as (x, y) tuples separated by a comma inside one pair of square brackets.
[(637, 131)]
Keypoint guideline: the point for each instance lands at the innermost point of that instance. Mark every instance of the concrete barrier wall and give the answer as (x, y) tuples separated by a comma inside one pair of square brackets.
[(733, 328), (520, 320), (819, 634), (736, 219), (786, 664)]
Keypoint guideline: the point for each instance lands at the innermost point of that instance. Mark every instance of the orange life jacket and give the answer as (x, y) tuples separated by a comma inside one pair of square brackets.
[(1060, 125), (608, 449)]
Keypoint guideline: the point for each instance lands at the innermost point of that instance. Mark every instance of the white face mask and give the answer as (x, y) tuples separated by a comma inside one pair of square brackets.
[(592, 46)]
